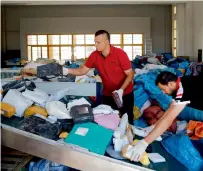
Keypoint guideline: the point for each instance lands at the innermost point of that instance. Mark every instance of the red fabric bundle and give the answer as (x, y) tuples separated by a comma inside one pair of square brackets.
[(153, 113)]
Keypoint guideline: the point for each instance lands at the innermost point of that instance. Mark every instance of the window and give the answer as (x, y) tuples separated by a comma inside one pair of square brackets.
[(49, 46), (133, 45), (174, 38), (78, 46), (83, 45), (115, 39), (174, 10)]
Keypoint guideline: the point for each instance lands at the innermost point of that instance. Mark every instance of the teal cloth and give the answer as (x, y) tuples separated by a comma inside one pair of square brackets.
[(95, 140)]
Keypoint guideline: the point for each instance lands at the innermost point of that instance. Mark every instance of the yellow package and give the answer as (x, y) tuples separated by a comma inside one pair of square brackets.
[(125, 153), (35, 110), (63, 135), (7, 110)]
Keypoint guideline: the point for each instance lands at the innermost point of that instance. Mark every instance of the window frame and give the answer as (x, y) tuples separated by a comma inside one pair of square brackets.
[(73, 44), (174, 30)]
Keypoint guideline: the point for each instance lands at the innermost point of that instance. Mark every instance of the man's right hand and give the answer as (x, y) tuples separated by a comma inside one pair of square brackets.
[(65, 71)]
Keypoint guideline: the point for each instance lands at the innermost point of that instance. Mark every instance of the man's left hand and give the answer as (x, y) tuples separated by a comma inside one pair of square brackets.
[(120, 94), (138, 150)]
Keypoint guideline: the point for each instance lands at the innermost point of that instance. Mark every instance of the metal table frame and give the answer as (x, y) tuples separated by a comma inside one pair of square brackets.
[(65, 154)]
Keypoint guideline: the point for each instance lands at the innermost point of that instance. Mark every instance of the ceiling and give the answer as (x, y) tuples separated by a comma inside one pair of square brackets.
[(87, 2)]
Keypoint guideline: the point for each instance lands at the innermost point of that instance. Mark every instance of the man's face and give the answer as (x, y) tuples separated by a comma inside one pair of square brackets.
[(101, 42), (167, 89)]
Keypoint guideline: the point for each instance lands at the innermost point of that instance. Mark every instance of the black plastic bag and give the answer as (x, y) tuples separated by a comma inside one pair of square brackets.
[(52, 69), (20, 85), (82, 113)]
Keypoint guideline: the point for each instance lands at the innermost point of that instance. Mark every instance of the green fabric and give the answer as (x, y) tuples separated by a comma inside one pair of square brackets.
[(96, 139)]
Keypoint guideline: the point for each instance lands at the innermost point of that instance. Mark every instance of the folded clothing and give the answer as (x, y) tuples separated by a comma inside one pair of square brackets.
[(104, 109), (110, 121), (39, 126)]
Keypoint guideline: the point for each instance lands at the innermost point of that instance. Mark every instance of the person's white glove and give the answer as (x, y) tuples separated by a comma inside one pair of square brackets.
[(65, 71), (120, 94), (138, 150)]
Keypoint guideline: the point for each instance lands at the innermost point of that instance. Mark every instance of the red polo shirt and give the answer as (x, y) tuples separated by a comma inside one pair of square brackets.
[(111, 69)]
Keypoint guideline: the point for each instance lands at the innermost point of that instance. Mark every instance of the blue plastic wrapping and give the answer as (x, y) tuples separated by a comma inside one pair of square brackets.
[(46, 165), (147, 83), (181, 148)]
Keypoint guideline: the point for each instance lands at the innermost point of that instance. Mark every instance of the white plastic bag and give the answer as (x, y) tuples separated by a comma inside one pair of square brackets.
[(57, 109), (104, 109), (38, 96), (60, 94), (15, 98), (76, 102)]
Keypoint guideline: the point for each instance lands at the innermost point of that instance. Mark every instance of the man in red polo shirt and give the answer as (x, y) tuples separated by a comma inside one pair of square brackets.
[(115, 70)]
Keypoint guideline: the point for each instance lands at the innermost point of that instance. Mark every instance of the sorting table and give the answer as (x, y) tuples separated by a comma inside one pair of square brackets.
[(71, 155)]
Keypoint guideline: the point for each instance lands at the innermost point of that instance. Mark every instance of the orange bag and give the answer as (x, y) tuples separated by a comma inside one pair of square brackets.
[(195, 130)]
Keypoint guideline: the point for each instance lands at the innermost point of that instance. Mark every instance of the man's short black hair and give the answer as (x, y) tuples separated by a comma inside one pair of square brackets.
[(165, 77), (99, 32)]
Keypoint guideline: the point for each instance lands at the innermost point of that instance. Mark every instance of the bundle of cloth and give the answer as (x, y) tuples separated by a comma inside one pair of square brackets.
[(153, 113)]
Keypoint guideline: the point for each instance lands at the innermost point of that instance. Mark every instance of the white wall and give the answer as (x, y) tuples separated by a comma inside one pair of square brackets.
[(198, 27), (180, 17), (160, 19), (189, 29), (78, 25)]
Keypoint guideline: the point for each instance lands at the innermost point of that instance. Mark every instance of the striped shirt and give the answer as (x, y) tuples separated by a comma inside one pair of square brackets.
[(179, 90)]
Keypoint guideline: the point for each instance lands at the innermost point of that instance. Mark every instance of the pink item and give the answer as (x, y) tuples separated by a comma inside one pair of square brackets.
[(110, 121)]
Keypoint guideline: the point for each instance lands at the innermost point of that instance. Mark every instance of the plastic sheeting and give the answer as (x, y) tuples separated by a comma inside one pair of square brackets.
[(181, 147)]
